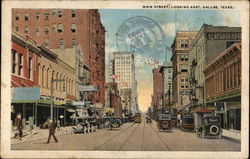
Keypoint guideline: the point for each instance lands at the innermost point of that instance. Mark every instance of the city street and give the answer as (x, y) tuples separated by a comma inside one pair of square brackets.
[(131, 137)]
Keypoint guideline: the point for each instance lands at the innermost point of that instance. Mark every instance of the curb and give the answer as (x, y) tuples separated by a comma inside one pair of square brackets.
[(232, 139)]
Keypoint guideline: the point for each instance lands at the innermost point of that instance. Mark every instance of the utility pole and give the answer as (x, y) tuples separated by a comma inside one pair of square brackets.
[(169, 98)]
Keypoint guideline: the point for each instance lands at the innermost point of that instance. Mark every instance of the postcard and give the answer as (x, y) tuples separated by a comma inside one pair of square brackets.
[(125, 79)]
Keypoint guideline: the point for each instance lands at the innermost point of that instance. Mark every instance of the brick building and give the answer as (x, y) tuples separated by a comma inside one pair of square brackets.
[(67, 28), (114, 99), (209, 42), (180, 61), (223, 86)]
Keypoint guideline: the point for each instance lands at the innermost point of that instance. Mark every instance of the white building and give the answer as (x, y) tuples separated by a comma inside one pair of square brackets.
[(168, 75), (122, 71)]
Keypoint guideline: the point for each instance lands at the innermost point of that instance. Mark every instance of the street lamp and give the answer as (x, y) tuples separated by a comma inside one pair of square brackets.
[(51, 93)]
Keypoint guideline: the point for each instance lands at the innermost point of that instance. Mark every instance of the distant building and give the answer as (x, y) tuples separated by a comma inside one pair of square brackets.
[(223, 86), (180, 61), (122, 71), (209, 43)]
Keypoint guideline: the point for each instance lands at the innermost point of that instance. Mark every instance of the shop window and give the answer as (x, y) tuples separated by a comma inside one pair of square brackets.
[(30, 68), (61, 43), (26, 16), (46, 30), (17, 16), (235, 119), (37, 16), (60, 13), (46, 15), (73, 13), (60, 28), (73, 28), (20, 65)]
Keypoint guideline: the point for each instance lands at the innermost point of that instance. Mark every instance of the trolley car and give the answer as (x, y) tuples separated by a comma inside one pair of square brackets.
[(137, 118), (187, 122), (164, 122)]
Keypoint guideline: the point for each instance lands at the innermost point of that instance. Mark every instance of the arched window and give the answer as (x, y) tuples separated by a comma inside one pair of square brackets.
[(52, 77)]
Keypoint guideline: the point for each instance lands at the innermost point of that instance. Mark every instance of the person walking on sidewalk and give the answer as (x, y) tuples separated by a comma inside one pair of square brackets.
[(52, 128), (18, 125)]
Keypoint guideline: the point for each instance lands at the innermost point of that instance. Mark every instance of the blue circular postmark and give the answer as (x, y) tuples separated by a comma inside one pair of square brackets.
[(141, 36)]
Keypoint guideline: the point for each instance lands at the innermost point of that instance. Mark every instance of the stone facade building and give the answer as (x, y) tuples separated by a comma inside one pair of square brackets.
[(180, 60), (207, 45), (223, 86)]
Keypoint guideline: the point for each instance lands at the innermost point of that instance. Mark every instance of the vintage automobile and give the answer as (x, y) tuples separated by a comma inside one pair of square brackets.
[(84, 124), (148, 119), (210, 127), (187, 122), (164, 122), (114, 122)]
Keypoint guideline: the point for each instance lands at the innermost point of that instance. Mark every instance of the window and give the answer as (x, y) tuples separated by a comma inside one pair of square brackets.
[(182, 86), (46, 43), (54, 12), (60, 13), (14, 61), (54, 27), (60, 28), (169, 70), (17, 29), (182, 79), (61, 43), (20, 66), (74, 43), (184, 43), (26, 30), (186, 85), (73, 13), (46, 30), (185, 57), (184, 68), (17, 16), (46, 15), (73, 28), (182, 57), (30, 68), (186, 79), (37, 31), (37, 16), (26, 16)]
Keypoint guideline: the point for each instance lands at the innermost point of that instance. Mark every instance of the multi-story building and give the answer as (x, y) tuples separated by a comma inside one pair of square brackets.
[(67, 28), (122, 71), (223, 86), (180, 61), (157, 96), (167, 83), (209, 42), (24, 75)]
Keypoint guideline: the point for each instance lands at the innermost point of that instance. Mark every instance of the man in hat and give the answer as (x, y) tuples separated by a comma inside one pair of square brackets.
[(52, 128), (18, 125)]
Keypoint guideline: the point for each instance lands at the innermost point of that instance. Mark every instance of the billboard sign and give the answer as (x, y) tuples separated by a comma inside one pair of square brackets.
[(89, 88)]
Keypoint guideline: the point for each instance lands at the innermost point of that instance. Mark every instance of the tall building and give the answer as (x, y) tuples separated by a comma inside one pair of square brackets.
[(67, 28), (167, 82), (209, 42), (122, 71), (180, 60)]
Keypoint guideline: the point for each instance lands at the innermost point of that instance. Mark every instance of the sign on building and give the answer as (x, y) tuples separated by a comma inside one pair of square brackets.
[(89, 88)]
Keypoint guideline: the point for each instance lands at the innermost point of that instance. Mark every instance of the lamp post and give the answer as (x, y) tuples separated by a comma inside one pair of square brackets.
[(51, 93)]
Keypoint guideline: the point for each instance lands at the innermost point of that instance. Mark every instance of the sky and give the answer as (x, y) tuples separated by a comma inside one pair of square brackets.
[(170, 21)]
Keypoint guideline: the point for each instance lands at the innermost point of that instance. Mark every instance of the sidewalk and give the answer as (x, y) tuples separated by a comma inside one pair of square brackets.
[(38, 133), (232, 135)]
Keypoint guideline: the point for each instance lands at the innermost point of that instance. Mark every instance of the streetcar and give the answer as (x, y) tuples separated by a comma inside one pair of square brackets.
[(137, 118), (164, 122)]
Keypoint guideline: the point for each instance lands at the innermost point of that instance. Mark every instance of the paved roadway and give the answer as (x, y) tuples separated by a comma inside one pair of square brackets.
[(132, 137)]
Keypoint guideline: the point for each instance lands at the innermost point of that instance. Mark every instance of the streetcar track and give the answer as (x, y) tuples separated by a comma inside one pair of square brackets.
[(143, 135), (160, 138), (110, 139), (129, 137)]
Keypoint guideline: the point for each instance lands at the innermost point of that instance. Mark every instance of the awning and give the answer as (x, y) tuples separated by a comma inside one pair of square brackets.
[(71, 110)]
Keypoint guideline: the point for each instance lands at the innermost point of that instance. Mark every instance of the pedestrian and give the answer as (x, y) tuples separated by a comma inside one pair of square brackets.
[(58, 125), (52, 128), (18, 126)]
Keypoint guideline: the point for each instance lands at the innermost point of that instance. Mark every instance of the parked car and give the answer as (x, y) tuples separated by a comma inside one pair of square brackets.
[(187, 122), (210, 127), (164, 122), (84, 124), (114, 123)]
